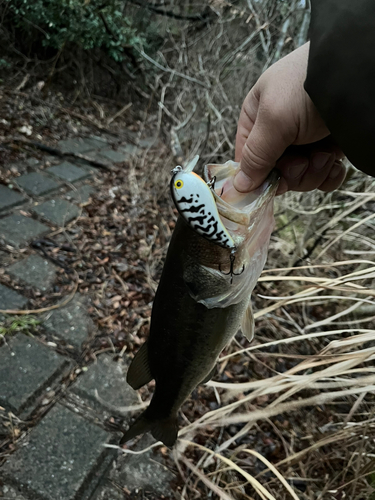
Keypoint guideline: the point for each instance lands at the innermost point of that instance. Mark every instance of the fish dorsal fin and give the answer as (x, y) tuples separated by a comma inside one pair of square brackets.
[(247, 324), (139, 373)]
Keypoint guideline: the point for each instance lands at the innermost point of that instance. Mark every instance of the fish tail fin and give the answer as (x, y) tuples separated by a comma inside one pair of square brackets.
[(165, 429), (141, 425)]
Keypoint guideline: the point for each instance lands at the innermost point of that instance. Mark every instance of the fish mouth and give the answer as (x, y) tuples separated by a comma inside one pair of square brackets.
[(236, 207), (248, 217)]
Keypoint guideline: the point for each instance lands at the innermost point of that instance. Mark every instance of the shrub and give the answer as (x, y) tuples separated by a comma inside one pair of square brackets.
[(88, 24)]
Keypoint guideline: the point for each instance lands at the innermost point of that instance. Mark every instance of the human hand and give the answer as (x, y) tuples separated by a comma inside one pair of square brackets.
[(280, 126)]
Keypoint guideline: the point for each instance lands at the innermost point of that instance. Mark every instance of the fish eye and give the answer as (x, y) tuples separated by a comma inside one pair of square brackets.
[(178, 184)]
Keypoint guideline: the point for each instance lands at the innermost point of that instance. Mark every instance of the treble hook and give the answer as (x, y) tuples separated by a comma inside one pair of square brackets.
[(231, 272), (211, 183)]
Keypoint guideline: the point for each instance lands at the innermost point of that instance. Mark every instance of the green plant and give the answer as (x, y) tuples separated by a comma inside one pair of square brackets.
[(88, 24), (15, 324)]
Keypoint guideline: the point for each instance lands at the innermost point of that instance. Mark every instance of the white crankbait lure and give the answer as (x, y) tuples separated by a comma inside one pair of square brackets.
[(196, 204)]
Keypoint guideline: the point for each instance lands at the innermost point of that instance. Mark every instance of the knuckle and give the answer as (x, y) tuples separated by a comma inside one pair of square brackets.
[(254, 160)]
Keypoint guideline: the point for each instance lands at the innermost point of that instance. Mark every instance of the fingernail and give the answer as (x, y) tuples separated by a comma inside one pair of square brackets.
[(294, 171), (335, 170), (320, 160), (242, 182)]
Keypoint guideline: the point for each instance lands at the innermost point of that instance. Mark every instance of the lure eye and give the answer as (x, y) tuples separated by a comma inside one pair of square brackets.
[(178, 184)]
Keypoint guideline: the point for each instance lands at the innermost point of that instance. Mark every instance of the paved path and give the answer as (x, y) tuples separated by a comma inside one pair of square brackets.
[(61, 456)]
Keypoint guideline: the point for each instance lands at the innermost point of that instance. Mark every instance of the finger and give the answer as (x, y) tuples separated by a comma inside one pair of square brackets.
[(327, 145), (246, 120), (318, 169), (305, 168), (335, 178), (282, 187), (265, 144)]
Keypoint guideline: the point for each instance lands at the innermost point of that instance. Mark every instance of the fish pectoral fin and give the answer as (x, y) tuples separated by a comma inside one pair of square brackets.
[(209, 376), (165, 429), (202, 282), (247, 324), (139, 373)]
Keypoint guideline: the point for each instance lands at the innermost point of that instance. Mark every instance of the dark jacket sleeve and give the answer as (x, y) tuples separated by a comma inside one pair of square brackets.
[(341, 75)]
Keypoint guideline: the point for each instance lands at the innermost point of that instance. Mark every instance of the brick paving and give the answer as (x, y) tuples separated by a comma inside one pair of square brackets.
[(78, 145), (17, 230), (70, 323), (27, 367), (68, 172), (80, 195), (57, 211), (10, 299), (75, 452), (116, 156), (63, 456), (37, 184), (9, 198), (104, 385), (34, 271)]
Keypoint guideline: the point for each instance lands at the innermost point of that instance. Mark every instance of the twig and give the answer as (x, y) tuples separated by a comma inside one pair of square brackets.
[(174, 72), (96, 125), (52, 71), (265, 45), (24, 81), (203, 477), (168, 13), (119, 113), (284, 31), (121, 281), (280, 43), (176, 146), (187, 119)]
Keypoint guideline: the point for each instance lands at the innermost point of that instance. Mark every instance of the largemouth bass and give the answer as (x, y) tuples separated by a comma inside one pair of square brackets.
[(204, 294)]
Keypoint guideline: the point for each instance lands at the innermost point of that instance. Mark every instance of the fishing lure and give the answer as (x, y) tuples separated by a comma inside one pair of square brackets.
[(196, 204)]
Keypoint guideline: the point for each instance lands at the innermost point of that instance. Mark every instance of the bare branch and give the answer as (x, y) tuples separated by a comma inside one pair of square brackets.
[(172, 71)]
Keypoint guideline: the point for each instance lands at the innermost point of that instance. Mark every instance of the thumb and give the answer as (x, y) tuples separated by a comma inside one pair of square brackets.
[(264, 146)]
